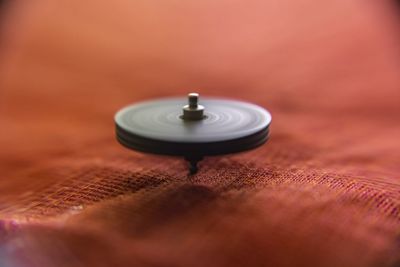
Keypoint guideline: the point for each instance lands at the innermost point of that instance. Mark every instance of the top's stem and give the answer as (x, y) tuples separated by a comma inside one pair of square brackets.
[(193, 111), (193, 99)]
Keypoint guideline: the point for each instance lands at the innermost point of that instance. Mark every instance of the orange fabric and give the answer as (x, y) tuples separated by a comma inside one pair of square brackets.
[(325, 190)]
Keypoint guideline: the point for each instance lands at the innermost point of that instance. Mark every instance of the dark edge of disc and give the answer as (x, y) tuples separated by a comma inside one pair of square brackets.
[(153, 146)]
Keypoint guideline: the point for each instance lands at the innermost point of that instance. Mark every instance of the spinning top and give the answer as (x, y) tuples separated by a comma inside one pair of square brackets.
[(183, 127)]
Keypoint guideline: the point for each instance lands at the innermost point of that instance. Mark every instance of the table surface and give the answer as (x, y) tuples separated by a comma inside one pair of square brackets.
[(324, 191)]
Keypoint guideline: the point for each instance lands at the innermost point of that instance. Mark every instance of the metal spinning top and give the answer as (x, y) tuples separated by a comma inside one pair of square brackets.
[(182, 127)]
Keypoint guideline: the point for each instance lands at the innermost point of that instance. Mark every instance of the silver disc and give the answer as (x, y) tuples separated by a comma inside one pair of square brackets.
[(157, 127)]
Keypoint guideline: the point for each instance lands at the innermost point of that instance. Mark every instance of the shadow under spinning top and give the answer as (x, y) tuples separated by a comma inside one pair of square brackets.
[(182, 127)]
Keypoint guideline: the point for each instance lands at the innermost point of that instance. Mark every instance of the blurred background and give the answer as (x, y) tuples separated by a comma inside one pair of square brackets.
[(327, 70), (69, 60)]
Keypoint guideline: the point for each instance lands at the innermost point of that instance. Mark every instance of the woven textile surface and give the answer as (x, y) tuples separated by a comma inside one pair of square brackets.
[(324, 191)]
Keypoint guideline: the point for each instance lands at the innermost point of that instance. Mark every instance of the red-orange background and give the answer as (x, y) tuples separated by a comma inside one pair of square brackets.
[(324, 191)]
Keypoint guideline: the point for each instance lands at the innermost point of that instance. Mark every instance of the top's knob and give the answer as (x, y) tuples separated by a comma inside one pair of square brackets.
[(193, 100), (193, 111)]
